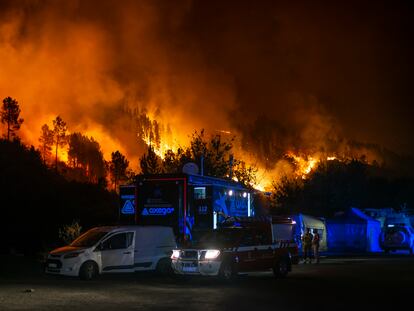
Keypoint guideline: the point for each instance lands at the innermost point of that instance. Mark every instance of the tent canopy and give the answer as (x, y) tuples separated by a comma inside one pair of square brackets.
[(306, 221), (352, 216), (353, 231)]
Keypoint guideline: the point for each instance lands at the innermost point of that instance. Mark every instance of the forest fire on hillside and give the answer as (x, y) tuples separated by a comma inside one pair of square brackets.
[(143, 73), (300, 164), (304, 164)]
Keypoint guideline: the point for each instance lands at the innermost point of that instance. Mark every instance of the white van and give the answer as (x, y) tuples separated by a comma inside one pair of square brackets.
[(114, 249)]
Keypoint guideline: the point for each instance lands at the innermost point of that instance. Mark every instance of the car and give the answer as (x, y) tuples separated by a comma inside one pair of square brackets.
[(114, 249), (397, 237), (244, 246)]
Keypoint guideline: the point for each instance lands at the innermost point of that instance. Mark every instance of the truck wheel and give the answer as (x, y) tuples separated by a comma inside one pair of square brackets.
[(88, 271), (227, 272), (164, 267), (281, 268)]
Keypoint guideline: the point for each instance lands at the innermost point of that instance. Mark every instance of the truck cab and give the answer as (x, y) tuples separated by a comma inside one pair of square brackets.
[(240, 246)]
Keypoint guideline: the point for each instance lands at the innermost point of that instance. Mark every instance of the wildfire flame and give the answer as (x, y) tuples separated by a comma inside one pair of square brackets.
[(74, 66), (304, 165), (301, 164)]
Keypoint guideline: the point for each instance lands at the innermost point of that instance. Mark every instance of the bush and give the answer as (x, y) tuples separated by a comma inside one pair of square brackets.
[(68, 233)]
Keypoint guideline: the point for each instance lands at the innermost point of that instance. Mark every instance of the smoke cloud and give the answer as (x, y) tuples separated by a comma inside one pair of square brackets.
[(304, 78)]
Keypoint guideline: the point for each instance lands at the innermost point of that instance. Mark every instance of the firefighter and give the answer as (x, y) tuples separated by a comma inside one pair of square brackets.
[(307, 238), (315, 245)]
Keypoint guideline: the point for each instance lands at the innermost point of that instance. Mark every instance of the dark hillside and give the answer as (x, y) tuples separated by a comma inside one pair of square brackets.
[(35, 201)]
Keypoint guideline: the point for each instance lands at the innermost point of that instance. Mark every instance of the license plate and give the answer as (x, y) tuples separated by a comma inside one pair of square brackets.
[(52, 265), (190, 268)]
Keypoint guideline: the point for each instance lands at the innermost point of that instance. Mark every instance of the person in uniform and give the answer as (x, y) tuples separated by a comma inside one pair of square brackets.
[(307, 239), (315, 245)]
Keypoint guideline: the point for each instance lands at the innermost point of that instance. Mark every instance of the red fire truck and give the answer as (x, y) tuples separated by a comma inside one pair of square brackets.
[(240, 245)]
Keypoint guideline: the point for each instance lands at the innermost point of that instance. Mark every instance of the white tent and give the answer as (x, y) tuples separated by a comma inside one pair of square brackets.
[(304, 222)]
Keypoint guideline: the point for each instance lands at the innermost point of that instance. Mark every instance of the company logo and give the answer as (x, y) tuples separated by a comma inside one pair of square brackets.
[(128, 208), (157, 211)]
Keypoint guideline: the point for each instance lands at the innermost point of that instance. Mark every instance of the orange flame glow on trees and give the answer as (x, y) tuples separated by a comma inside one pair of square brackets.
[(101, 72)]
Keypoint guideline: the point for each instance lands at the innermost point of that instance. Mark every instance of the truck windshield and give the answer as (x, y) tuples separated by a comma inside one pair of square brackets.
[(219, 238), (89, 238), (393, 230)]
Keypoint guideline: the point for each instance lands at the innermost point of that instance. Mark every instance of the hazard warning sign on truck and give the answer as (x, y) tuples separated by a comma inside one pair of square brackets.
[(127, 204)]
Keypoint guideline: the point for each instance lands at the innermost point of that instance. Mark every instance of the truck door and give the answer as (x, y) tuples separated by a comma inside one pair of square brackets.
[(117, 253), (247, 252), (264, 252)]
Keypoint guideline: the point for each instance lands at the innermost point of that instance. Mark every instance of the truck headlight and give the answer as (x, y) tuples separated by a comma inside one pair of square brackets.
[(72, 255), (212, 254), (175, 254)]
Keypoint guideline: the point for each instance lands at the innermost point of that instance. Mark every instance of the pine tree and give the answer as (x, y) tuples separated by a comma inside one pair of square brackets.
[(150, 163), (10, 115), (46, 142), (118, 167), (59, 131)]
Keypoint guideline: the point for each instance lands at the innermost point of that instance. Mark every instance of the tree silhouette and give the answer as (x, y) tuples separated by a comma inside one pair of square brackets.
[(335, 186), (25, 181), (246, 175), (287, 196), (85, 156), (150, 163), (59, 139), (77, 150), (10, 115), (215, 153), (46, 142), (118, 168)]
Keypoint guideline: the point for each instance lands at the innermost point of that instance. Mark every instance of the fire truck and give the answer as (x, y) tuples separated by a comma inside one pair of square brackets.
[(240, 245), (189, 203)]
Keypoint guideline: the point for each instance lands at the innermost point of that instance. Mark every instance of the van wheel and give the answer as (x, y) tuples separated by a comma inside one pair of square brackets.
[(164, 267), (228, 272), (281, 268), (88, 271)]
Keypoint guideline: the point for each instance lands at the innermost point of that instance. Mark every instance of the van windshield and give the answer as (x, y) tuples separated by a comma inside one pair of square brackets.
[(89, 238)]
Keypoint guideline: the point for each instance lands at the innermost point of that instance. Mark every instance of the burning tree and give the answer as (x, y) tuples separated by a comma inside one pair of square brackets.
[(46, 142), (10, 115), (215, 154), (247, 175), (59, 138)]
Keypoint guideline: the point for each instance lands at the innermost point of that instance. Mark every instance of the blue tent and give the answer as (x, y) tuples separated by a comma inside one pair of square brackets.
[(353, 231)]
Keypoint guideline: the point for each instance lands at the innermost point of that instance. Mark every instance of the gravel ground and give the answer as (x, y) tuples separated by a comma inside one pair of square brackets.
[(339, 283)]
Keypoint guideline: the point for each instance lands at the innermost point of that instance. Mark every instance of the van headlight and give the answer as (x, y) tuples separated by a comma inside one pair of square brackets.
[(72, 255), (212, 254), (175, 254)]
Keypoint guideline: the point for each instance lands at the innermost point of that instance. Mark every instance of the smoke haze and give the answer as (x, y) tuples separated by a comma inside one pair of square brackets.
[(302, 77)]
